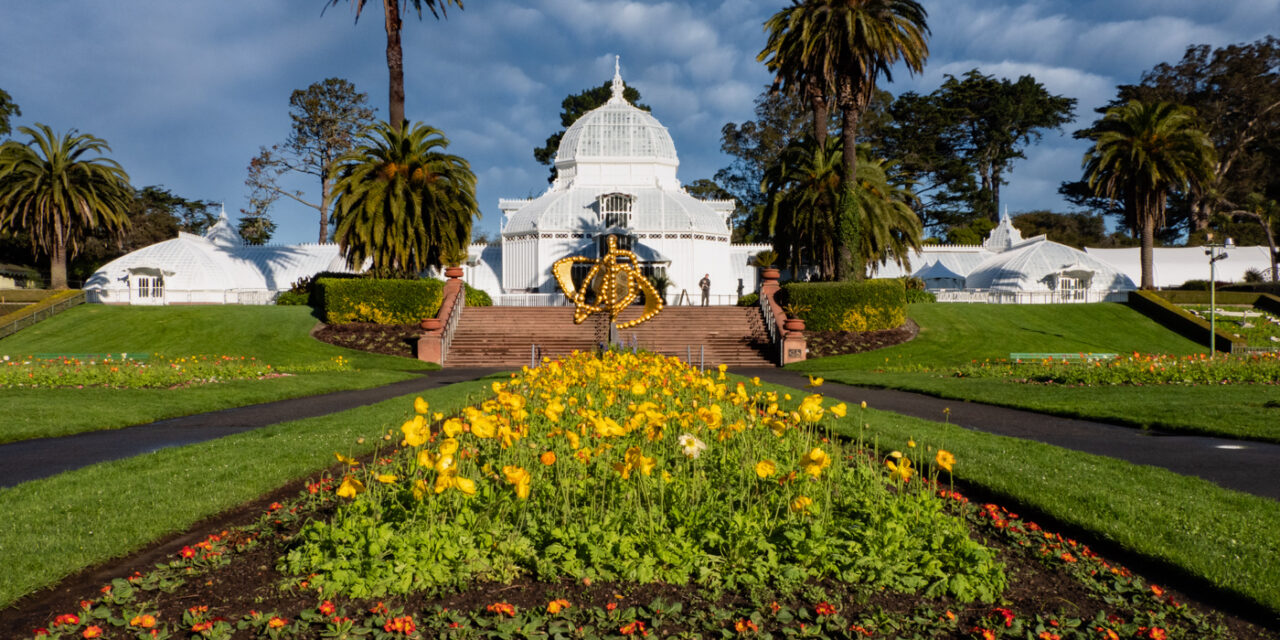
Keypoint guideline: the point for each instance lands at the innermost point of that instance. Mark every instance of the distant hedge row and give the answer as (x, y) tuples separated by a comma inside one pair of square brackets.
[(870, 305)]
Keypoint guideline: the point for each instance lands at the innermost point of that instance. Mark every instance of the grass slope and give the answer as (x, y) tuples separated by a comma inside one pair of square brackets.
[(956, 334), (276, 335), (56, 526)]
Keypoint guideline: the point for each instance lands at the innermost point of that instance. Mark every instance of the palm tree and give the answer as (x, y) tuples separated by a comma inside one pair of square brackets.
[(395, 55), (52, 191), (840, 48), (401, 202), (804, 195), (1142, 152)]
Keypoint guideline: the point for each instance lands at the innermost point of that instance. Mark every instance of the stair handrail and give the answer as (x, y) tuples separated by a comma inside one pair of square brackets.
[(451, 324), (770, 323), (42, 310)]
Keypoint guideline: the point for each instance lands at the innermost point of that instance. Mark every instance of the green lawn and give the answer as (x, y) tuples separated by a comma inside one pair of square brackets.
[(56, 526), (956, 334), (276, 335)]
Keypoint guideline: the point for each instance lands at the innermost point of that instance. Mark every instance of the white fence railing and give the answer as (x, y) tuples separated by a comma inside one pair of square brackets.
[(559, 300), (989, 296)]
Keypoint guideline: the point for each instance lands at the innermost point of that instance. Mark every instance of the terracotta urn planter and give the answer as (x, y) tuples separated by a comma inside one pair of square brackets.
[(770, 273), (453, 272), (793, 324), (431, 324)]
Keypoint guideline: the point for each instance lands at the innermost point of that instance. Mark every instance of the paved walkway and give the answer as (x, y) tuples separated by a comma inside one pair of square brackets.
[(1250, 467), (43, 457)]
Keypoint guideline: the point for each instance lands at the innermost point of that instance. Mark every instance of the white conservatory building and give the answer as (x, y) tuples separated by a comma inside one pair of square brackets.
[(615, 175), (214, 268)]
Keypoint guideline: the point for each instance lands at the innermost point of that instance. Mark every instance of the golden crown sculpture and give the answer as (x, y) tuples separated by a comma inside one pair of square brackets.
[(615, 279)]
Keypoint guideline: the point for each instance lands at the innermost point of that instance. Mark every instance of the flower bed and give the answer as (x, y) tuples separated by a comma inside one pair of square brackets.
[(157, 372), (632, 496), (1137, 369)]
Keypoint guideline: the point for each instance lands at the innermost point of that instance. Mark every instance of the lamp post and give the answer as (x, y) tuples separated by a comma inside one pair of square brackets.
[(1215, 252)]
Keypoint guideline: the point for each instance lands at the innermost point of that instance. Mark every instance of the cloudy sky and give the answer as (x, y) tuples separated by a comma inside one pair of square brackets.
[(186, 92)]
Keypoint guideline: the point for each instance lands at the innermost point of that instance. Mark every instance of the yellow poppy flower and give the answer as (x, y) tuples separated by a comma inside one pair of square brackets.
[(465, 485), (350, 488), (911, 443), (815, 461), (801, 504), (864, 404), (448, 446), (452, 427), (425, 459), (386, 478), (765, 468), (482, 426), (420, 405), (638, 389), (840, 410), (945, 459), (414, 431), (815, 382), (345, 460), (902, 469)]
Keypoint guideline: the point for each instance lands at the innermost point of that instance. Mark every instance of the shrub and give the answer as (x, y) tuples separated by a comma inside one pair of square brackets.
[(292, 298), (381, 301), (870, 305), (477, 297), (920, 295), (749, 300)]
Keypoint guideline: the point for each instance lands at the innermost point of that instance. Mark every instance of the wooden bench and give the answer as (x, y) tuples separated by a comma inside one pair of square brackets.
[(1019, 358)]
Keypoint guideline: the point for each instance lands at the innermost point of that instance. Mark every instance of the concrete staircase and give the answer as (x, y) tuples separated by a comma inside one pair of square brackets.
[(503, 336)]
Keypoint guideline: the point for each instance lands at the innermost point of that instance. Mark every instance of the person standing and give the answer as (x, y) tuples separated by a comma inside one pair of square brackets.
[(705, 285)]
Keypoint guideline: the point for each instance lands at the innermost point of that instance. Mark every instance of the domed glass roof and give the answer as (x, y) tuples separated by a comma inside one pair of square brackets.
[(617, 130)]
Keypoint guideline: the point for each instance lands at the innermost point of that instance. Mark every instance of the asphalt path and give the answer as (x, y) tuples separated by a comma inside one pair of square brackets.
[(43, 457), (1250, 467)]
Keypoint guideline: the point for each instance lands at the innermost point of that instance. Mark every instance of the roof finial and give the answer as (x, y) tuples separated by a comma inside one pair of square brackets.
[(618, 87)]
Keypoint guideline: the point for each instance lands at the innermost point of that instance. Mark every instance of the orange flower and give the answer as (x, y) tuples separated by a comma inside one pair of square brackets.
[(503, 608), (144, 621), (985, 634), (402, 624), (633, 627), (1048, 635), (327, 608), (276, 622), (93, 631), (548, 458), (744, 625), (557, 605)]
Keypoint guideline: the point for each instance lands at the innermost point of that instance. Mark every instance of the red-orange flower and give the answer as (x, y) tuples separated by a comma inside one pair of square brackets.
[(744, 625), (187, 553), (93, 631), (402, 624), (1048, 635), (985, 634), (502, 607), (277, 622), (66, 618), (824, 608), (557, 605), (201, 627), (326, 608), (632, 628), (144, 621), (1004, 613)]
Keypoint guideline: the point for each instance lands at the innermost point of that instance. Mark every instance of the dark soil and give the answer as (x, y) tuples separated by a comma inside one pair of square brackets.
[(836, 343), (252, 582), (387, 339)]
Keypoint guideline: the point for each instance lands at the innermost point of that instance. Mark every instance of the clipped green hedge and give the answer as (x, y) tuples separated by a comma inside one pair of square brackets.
[(870, 305), (377, 300), (1185, 296), (292, 298), (920, 295), (749, 300), (477, 297), (1154, 305)]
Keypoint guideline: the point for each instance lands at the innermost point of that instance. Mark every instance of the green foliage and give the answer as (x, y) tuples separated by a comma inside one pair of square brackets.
[(749, 300), (920, 295), (960, 140), (121, 372), (699, 511), (402, 202), (8, 109), (380, 301), (1170, 315), (55, 193), (290, 298), (477, 297), (1138, 369), (849, 306)]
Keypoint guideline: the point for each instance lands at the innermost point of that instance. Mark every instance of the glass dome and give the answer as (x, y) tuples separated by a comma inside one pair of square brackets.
[(617, 130)]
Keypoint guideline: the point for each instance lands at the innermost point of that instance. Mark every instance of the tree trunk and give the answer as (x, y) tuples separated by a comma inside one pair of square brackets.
[(395, 62), (995, 193), (849, 231), (821, 114), (58, 264), (325, 188), (1148, 249)]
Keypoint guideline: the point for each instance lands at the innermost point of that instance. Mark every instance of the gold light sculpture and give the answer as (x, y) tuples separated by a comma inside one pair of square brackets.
[(615, 279)]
